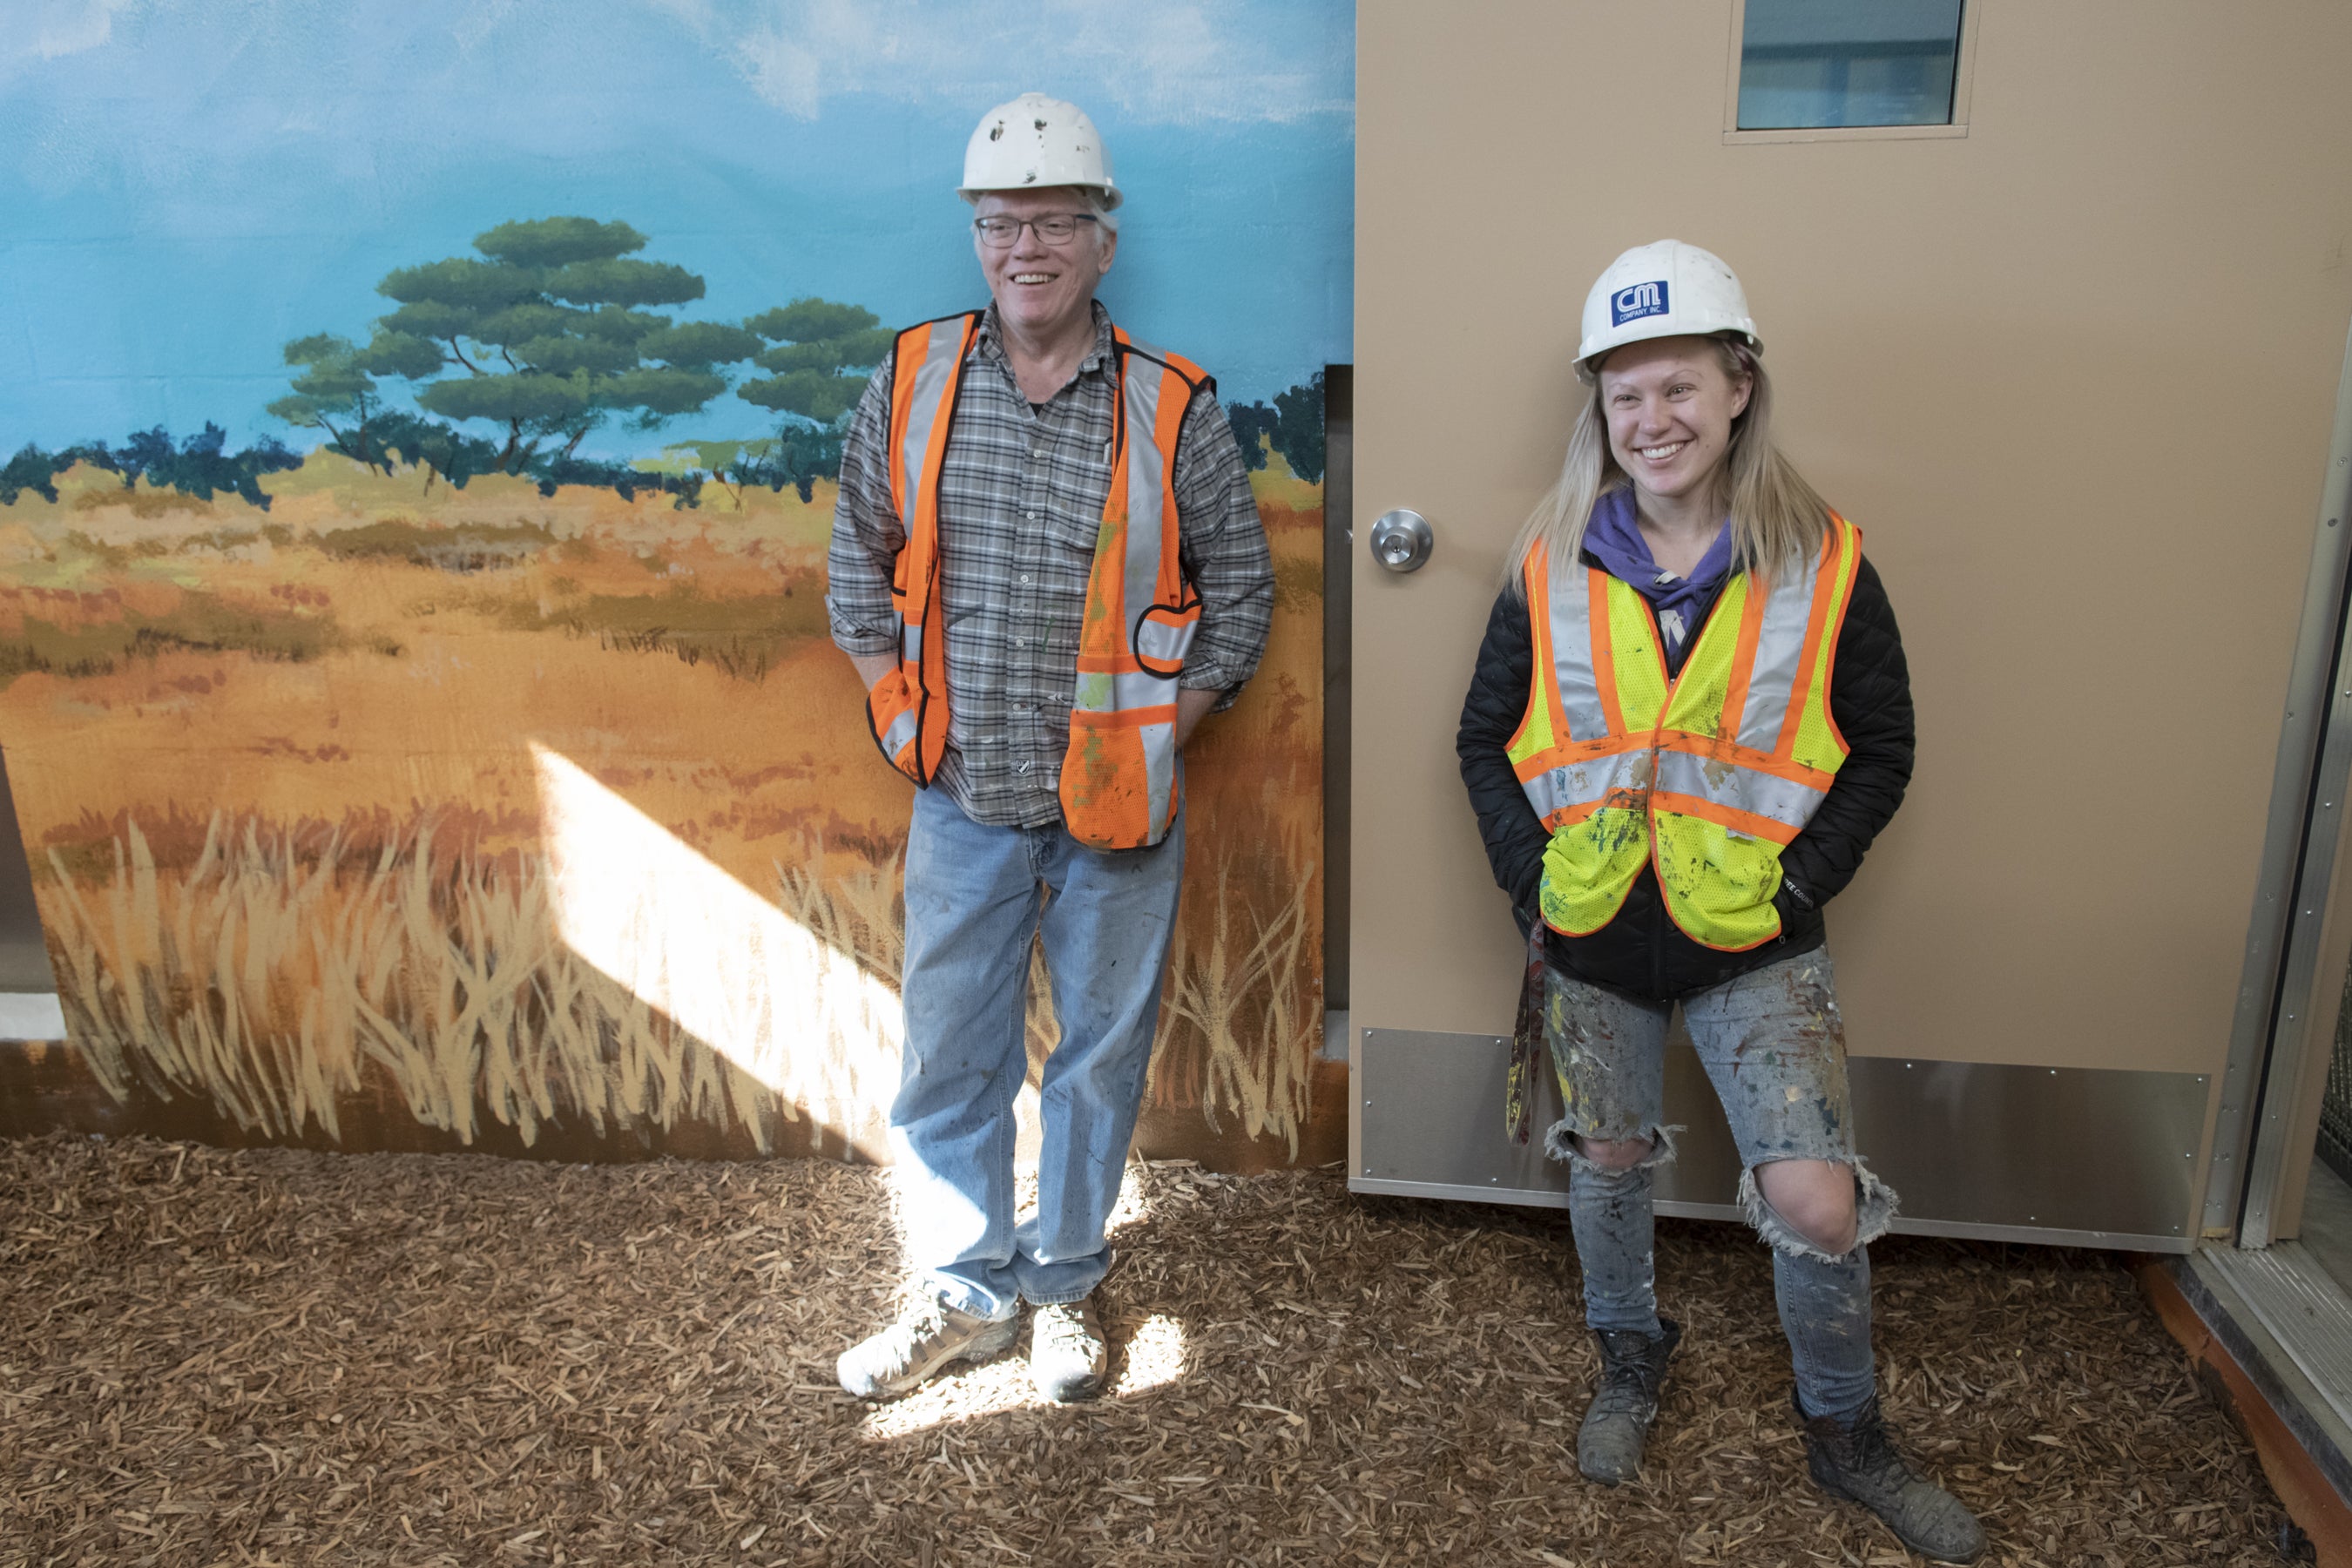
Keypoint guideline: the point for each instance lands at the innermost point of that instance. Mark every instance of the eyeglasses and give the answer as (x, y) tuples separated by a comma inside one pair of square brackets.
[(1055, 229)]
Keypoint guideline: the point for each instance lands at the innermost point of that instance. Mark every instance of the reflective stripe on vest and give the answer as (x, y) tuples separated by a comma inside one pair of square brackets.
[(907, 709), (1119, 784), (1706, 776)]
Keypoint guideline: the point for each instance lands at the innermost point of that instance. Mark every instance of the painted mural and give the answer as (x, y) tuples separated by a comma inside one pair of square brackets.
[(421, 428)]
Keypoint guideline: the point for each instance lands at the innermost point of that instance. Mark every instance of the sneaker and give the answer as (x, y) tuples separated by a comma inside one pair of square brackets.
[(1854, 1457), (928, 1335), (1624, 1401), (1067, 1352)]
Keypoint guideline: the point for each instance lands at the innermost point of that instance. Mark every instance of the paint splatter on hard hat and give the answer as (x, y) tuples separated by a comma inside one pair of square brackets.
[(1032, 143)]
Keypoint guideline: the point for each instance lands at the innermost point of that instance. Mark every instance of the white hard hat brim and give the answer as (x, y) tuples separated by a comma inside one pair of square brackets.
[(1588, 365), (1107, 195)]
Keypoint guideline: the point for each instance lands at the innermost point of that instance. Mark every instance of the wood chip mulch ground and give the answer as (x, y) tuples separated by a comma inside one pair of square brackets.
[(213, 1357)]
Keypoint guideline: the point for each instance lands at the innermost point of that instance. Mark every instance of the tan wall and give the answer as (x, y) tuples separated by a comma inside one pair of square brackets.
[(2072, 373)]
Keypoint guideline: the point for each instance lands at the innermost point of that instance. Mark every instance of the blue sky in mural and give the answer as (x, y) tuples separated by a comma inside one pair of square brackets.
[(193, 182)]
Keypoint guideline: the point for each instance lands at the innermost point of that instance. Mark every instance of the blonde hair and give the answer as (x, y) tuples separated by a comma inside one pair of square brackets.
[(1777, 519)]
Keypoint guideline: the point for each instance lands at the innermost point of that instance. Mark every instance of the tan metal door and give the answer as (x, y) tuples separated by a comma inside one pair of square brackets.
[(2072, 370)]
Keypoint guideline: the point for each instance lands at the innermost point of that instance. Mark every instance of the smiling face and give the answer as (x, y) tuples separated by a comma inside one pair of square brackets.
[(1043, 290), (1670, 404)]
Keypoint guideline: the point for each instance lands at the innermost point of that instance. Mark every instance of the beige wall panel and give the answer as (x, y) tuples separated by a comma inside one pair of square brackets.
[(2072, 374)]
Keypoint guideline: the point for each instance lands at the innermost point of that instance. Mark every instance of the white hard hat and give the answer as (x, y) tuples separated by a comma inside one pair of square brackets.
[(1034, 142), (1662, 290)]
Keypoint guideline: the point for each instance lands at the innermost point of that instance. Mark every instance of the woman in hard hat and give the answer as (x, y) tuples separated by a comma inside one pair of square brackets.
[(1689, 719)]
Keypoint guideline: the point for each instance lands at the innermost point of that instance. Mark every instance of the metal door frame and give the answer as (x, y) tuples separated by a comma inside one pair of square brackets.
[(2270, 1034)]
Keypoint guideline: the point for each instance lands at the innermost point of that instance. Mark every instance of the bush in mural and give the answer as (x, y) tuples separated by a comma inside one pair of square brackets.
[(198, 467), (1293, 427)]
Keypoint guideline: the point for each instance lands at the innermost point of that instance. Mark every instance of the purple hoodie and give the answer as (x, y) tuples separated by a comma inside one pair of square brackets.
[(1613, 537)]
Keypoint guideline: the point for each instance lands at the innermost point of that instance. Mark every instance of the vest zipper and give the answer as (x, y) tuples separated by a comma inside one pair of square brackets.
[(1657, 940), (1659, 919)]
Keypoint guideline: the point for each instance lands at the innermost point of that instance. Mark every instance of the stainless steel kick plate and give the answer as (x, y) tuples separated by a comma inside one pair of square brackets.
[(2077, 1156)]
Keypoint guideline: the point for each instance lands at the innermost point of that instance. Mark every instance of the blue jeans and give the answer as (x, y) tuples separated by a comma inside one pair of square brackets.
[(975, 896), (1773, 1045)]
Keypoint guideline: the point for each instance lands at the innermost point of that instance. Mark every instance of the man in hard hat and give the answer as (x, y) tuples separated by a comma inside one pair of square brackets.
[(1047, 567)]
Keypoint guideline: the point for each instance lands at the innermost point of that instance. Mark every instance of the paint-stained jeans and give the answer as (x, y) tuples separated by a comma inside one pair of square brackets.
[(1774, 1047), (975, 896)]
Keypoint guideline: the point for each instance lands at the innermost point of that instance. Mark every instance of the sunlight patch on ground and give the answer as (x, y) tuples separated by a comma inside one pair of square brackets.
[(1155, 1356), (1144, 1356), (1150, 1356)]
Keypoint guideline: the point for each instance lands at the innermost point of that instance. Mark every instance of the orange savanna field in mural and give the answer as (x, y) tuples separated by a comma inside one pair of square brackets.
[(402, 815)]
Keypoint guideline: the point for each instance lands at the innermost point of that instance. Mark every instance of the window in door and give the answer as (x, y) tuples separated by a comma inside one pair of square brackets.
[(1841, 65)]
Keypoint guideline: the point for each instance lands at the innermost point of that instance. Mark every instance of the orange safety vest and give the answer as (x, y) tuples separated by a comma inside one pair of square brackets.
[(1120, 788), (1706, 776)]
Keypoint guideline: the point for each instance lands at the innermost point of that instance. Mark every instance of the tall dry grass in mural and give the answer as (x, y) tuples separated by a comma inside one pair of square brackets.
[(275, 772), (280, 986), (1245, 1000), (449, 986)]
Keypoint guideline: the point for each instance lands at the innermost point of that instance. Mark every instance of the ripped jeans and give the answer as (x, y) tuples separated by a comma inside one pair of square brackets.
[(1774, 1047)]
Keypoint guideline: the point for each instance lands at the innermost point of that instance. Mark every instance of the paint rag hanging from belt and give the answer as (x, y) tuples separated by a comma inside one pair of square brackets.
[(1526, 1044)]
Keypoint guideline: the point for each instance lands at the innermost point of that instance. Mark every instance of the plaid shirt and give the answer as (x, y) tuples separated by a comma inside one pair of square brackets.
[(1021, 503)]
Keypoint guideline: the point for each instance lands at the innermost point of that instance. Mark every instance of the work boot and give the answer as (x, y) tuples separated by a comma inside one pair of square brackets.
[(1854, 1457), (1067, 1351), (1624, 1401), (928, 1335)]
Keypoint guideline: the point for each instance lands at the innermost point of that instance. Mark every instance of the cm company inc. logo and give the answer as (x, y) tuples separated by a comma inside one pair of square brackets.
[(1639, 300)]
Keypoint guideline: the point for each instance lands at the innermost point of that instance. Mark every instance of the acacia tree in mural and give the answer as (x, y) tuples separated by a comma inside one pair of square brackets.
[(549, 333), (822, 351), (545, 335), (552, 335), (337, 392)]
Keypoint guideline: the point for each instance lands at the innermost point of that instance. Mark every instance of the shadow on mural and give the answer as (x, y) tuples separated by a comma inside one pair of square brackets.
[(426, 784)]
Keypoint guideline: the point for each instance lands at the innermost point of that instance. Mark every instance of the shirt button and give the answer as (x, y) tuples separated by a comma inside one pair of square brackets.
[(1024, 576), (1030, 515)]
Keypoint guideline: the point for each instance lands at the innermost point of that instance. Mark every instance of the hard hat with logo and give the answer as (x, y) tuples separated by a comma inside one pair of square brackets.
[(1034, 142), (1661, 290)]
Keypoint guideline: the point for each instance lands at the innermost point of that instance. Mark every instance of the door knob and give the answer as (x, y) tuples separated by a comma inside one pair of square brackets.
[(1402, 541)]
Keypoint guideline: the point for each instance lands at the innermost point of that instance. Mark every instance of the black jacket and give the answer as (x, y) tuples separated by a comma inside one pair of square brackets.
[(1641, 951)]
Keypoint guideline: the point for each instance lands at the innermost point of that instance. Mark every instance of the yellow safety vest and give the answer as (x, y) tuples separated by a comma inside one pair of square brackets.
[(1706, 776), (1120, 787)]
